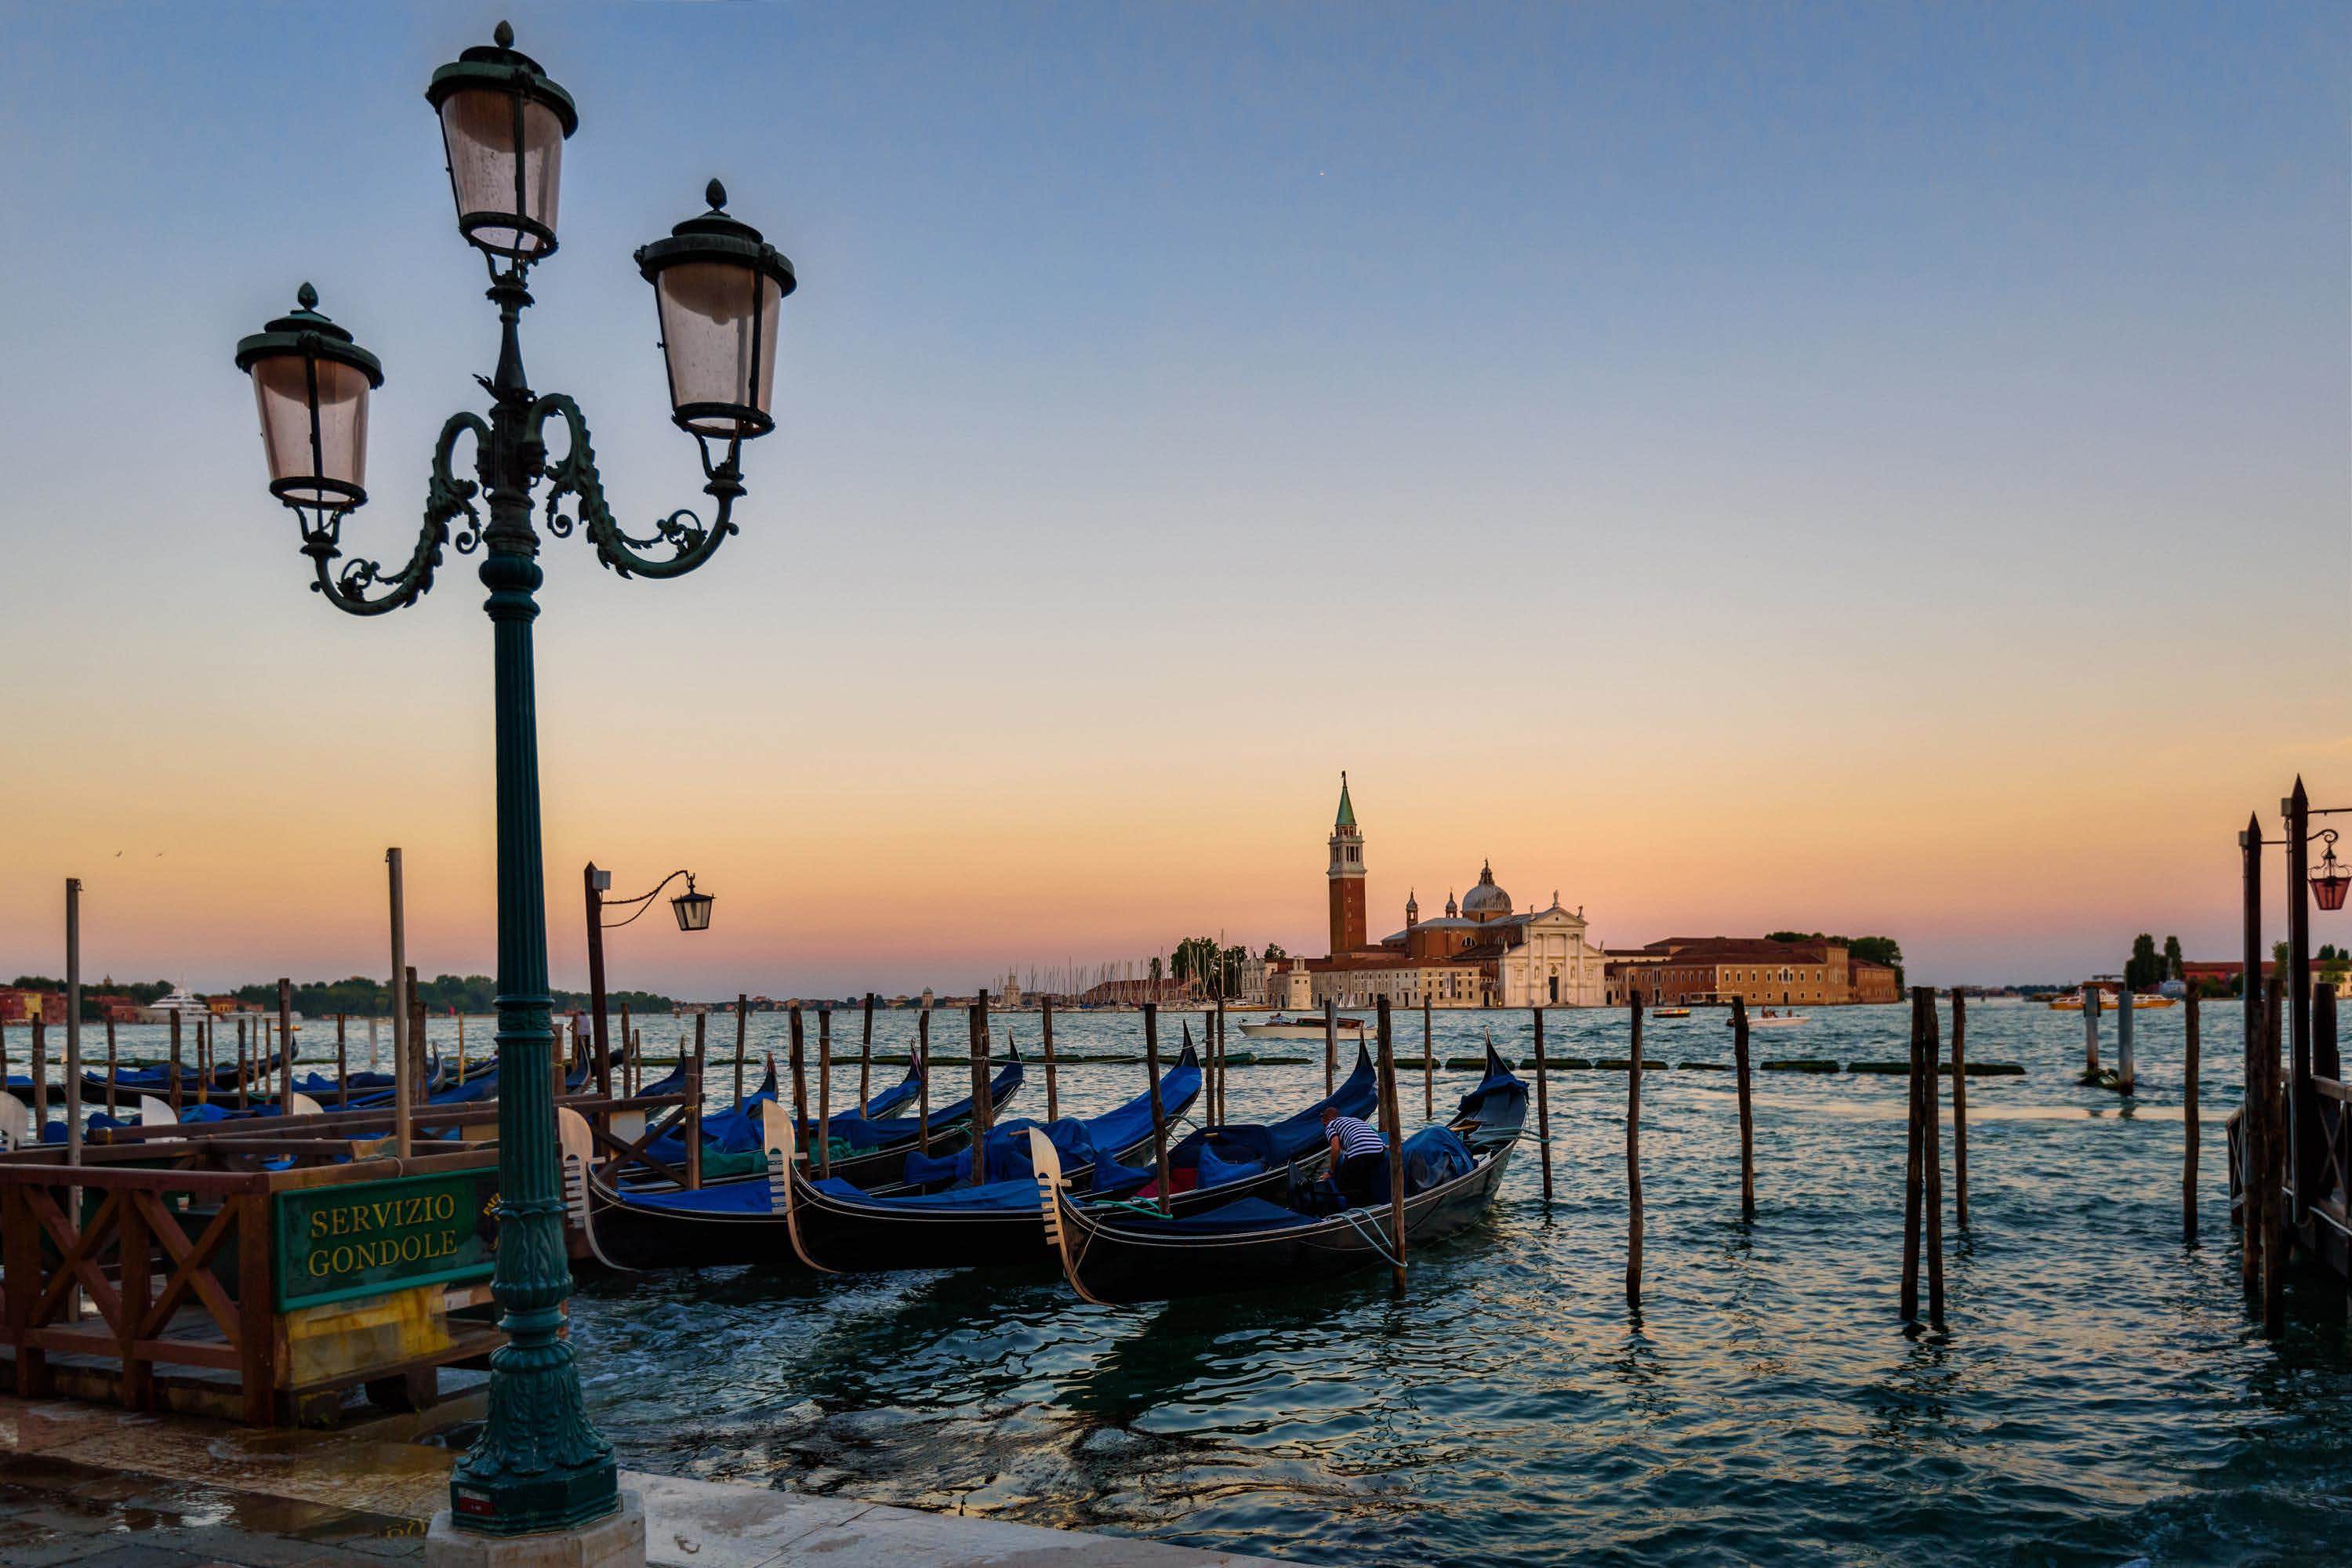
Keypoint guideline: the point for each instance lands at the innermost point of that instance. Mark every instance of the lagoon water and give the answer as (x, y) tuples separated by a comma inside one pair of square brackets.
[(2102, 1394)]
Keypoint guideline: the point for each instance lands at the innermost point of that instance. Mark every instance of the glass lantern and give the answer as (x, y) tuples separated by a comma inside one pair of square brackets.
[(693, 909), (503, 126), (311, 382), (718, 290)]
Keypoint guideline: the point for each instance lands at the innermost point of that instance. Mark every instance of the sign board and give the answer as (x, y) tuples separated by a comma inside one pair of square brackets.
[(363, 1238)]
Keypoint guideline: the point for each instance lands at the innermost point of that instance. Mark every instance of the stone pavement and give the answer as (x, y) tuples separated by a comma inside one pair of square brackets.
[(93, 1486)]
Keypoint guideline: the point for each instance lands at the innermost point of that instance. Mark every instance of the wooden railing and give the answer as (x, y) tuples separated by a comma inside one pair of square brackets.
[(165, 1263)]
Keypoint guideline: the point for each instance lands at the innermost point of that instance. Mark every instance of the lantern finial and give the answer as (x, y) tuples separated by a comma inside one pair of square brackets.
[(307, 297), (716, 194), (503, 35)]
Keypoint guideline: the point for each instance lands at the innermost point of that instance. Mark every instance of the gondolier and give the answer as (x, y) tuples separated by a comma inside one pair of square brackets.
[(1358, 1156)]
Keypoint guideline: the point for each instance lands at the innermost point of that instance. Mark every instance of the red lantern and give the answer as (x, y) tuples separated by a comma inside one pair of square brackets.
[(2331, 881)]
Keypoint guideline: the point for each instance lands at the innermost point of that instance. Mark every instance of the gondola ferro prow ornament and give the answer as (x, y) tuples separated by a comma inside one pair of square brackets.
[(777, 1130), (1046, 1162)]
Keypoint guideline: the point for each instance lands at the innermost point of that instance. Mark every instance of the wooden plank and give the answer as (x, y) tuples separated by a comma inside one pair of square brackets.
[(257, 1330)]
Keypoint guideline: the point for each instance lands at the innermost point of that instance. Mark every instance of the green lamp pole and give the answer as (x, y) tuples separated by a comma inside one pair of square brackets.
[(719, 290)]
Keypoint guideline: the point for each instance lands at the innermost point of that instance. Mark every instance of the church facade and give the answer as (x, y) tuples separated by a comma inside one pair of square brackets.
[(1481, 952)]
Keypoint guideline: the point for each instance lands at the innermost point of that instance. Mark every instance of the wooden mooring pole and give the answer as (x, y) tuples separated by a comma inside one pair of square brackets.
[(175, 1064), (2188, 1128), (1045, 1032), (1159, 1111), (1913, 1176), (242, 1072), (1217, 1105), (694, 1105), (1747, 1108), (983, 1113), (1960, 1109), (2125, 1014), (2275, 1153), (1393, 1128), (742, 1023), (2092, 999), (1634, 1161), (2250, 1118), (109, 1067), (823, 1136), (923, 1084), (797, 1055), (1330, 1045), (343, 1060), (866, 1057), (1428, 1064), (1543, 1106), (40, 1078), (285, 1046), (1932, 1133)]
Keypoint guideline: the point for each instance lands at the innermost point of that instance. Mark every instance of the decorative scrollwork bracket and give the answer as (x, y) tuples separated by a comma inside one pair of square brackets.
[(445, 497), (689, 541)]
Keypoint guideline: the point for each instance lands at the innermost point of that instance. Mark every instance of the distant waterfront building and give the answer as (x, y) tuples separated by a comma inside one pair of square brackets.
[(1479, 953), (1683, 970)]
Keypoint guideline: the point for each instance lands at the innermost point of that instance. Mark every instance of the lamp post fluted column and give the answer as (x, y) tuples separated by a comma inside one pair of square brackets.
[(538, 1458), (719, 289)]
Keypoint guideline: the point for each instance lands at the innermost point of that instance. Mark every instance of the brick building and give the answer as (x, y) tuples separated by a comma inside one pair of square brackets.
[(1683, 970)]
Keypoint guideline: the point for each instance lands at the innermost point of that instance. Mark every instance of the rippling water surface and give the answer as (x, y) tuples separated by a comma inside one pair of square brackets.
[(2101, 1395)]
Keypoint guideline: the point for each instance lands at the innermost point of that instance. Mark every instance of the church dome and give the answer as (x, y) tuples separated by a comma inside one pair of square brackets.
[(1486, 901)]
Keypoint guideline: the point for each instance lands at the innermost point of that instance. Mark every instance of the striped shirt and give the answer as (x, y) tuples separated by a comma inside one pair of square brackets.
[(1356, 1137)]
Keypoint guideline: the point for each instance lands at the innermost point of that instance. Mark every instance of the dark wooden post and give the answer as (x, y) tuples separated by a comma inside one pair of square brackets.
[(40, 1078), (823, 1134), (176, 1074), (1052, 1091), (1543, 1106), (2188, 1128), (109, 1067), (866, 1057), (799, 1057), (1633, 1162), (1428, 1064), (1932, 1134), (628, 1055), (1747, 1108), (2094, 998), (1330, 1045), (343, 1061), (2251, 1119), (242, 1071), (285, 1046), (1393, 1127), (1158, 1111), (1960, 1109), (2306, 1157), (205, 1060), (2274, 1226), (694, 1105), (742, 1021), (983, 1107), (1217, 1051), (1913, 1176), (923, 1084)]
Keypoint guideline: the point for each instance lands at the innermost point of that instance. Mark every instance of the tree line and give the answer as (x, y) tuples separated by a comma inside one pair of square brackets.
[(359, 995)]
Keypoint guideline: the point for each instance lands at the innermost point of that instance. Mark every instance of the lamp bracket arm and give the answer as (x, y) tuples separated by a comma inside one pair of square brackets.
[(644, 901), (446, 497), (689, 542)]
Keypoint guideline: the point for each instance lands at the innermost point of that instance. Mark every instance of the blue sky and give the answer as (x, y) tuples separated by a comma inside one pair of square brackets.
[(1561, 415)]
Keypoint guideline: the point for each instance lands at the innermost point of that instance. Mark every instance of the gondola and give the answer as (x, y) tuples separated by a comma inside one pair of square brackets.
[(749, 1221), (867, 1152), (157, 1078), (1113, 1258)]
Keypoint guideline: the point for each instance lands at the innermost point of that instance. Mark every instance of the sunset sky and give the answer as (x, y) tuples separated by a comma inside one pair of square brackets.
[(1863, 469)]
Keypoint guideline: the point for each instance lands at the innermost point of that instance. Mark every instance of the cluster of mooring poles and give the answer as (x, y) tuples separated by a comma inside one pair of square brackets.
[(2291, 1137)]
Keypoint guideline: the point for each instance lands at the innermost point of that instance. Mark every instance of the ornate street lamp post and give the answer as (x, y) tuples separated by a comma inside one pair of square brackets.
[(539, 1463)]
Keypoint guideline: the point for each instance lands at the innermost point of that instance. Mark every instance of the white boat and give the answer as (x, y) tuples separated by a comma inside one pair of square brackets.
[(1281, 1028), (1773, 1021), (189, 1006)]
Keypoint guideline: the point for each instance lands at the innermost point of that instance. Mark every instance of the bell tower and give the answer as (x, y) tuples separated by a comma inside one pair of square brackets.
[(1347, 878)]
